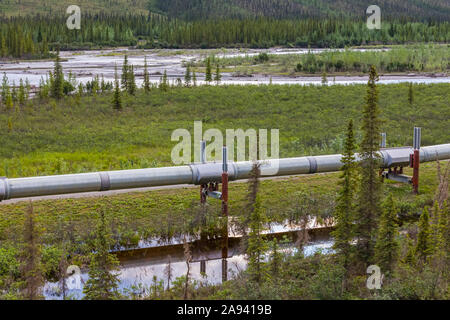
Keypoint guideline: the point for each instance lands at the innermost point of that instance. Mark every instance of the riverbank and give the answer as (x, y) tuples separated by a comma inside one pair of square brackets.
[(396, 60), (86, 65)]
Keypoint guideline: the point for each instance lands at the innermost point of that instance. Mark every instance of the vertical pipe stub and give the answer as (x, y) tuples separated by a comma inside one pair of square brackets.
[(225, 159), (383, 140), (203, 151), (416, 159), (417, 138)]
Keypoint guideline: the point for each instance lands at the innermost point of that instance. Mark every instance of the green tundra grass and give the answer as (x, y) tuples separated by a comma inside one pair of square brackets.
[(85, 134)]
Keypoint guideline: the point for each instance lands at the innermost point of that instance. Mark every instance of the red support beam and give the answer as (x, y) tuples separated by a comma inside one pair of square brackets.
[(225, 228), (416, 164)]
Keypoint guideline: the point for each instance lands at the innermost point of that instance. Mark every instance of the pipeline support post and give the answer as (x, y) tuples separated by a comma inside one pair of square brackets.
[(203, 190), (416, 159), (225, 214)]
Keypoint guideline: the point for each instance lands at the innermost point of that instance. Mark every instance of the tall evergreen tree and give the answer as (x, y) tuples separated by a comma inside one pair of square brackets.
[(57, 88), (324, 78), (131, 82), (125, 70), (345, 209), (21, 94), (4, 48), (187, 77), (257, 246), (208, 73), (194, 79), (146, 77), (14, 92), (424, 246), (370, 186), (117, 99), (439, 229), (9, 101), (275, 259), (27, 89), (387, 246), (164, 85), (103, 280), (81, 88), (410, 257), (5, 88), (217, 75)]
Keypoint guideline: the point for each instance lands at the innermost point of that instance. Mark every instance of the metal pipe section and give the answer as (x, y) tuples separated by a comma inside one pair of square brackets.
[(198, 173), (383, 140)]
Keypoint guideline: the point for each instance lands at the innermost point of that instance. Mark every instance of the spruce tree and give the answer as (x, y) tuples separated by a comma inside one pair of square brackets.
[(5, 88), (345, 208), (217, 76), (410, 257), (95, 86), (57, 88), (9, 102), (194, 79), (4, 49), (103, 280), (370, 186), (187, 77), (21, 94), (103, 84), (146, 77), (131, 82), (27, 89), (125, 70), (164, 85), (324, 78), (81, 88), (275, 259), (257, 246), (387, 246), (208, 73), (440, 229), (117, 99), (424, 246), (14, 92)]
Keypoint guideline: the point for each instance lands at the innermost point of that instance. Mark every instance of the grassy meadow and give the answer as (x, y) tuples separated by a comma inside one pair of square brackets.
[(83, 134)]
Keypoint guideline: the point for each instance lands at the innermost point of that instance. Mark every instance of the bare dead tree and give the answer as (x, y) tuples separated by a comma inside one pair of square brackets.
[(188, 259), (168, 270), (31, 258), (62, 269)]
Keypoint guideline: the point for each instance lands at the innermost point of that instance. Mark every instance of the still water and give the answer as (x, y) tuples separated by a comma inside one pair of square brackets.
[(143, 267)]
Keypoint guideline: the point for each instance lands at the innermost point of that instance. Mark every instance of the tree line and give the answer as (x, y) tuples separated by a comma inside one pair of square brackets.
[(28, 36)]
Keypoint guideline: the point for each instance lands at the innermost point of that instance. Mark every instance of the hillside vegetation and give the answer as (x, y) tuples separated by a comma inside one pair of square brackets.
[(58, 7), (391, 9), (418, 10)]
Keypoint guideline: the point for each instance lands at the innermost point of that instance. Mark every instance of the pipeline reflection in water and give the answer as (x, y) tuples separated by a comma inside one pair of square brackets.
[(143, 270)]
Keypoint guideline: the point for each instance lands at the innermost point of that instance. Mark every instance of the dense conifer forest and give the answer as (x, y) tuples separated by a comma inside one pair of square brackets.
[(209, 24)]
